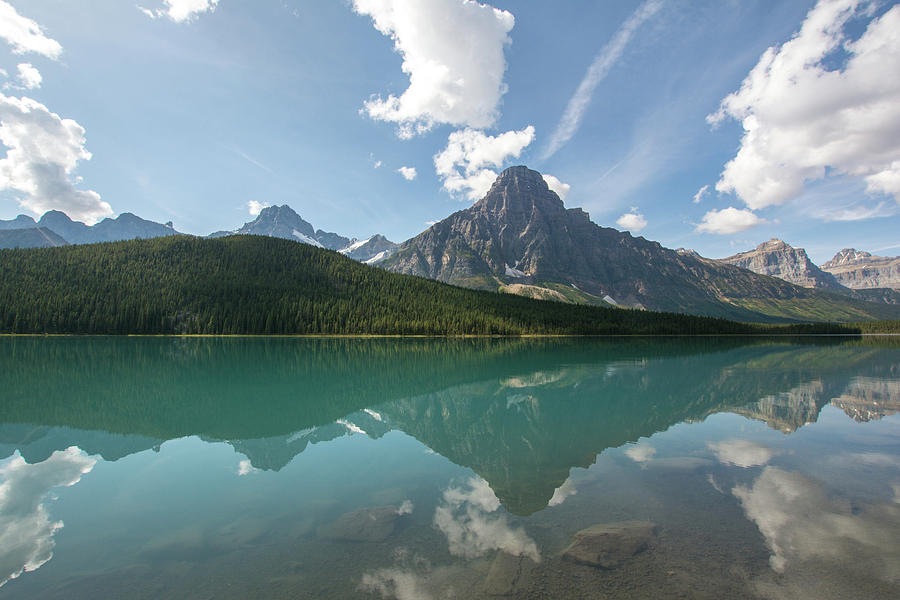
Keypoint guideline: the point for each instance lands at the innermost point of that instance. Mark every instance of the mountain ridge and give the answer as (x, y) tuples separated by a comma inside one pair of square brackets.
[(779, 259), (860, 270), (520, 238)]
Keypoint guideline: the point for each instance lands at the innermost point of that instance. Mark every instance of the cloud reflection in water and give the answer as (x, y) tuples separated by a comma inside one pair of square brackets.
[(26, 531), (467, 518)]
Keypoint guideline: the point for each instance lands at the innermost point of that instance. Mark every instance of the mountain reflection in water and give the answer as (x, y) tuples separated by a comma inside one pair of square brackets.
[(518, 413)]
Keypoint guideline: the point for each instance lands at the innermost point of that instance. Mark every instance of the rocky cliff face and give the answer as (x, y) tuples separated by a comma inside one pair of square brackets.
[(778, 259), (861, 270), (521, 238)]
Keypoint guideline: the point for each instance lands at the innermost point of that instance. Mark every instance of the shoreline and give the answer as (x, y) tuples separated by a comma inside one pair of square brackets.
[(437, 336)]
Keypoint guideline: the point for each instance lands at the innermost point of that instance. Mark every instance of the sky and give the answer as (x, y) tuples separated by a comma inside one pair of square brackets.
[(706, 124)]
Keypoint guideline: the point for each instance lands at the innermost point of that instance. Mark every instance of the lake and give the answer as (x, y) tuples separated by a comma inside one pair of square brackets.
[(432, 468)]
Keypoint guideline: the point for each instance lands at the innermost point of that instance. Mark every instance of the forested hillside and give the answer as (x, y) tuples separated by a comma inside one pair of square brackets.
[(262, 285)]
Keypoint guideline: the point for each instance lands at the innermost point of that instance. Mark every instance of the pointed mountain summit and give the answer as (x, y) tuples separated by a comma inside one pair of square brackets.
[(284, 222), (779, 259), (861, 270), (520, 238), (281, 222)]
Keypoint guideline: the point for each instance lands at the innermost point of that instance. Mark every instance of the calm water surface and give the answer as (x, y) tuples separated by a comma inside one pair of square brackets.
[(416, 469)]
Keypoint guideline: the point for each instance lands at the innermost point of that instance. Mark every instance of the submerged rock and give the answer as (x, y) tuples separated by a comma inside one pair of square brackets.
[(608, 545), (364, 525), (506, 572)]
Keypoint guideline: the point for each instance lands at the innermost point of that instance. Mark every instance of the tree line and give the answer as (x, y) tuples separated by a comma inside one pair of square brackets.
[(270, 286)]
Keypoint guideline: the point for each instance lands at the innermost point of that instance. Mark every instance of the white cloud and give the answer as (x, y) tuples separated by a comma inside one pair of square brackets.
[(396, 583), (409, 173), (742, 453), (561, 189), (24, 35), (800, 523), (245, 467), (254, 207), (700, 193), (728, 220), (563, 492), (466, 164), (640, 453), (578, 104), (29, 77), (466, 518), (26, 531), (453, 53), (805, 121), (181, 11), (43, 152), (632, 221)]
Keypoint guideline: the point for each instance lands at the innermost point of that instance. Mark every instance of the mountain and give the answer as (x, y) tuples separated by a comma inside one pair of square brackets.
[(32, 237), (249, 284), (124, 227), (283, 222), (20, 222), (778, 259), (370, 251), (520, 238), (333, 241), (861, 270)]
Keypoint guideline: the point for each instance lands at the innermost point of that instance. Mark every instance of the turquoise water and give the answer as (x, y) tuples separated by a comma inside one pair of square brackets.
[(416, 469)]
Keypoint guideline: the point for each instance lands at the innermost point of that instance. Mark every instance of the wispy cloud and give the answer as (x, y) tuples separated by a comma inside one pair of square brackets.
[(251, 160), (700, 193), (571, 119)]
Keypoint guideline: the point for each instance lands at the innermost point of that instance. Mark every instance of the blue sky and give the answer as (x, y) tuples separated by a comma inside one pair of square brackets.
[(197, 111)]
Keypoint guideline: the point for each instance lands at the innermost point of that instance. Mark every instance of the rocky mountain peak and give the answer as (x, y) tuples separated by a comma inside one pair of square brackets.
[(779, 259), (775, 243), (518, 193), (281, 221), (861, 270), (846, 257)]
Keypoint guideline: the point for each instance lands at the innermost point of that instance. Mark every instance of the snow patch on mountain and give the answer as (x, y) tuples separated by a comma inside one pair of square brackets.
[(355, 245), (307, 240), (513, 272)]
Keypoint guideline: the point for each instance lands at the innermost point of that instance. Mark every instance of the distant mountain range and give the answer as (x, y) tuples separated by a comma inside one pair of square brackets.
[(851, 272), (124, 227), (55, 228), (284, 222), (860, 270), (521, 239)]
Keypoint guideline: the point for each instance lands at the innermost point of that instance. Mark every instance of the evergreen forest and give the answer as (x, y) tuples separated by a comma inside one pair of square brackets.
[(269, 286)]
